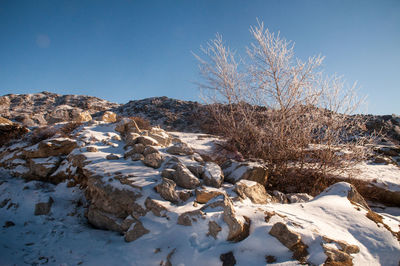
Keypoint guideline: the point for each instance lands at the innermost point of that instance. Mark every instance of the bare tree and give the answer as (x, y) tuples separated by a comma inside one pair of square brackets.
[(276, 107)]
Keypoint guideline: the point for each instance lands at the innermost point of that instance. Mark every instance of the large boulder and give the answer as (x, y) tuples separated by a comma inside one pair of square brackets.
[(252, 190), (235, 171), (41, 168), (109, 204), (204, 195), (212, 175), (51, 147)]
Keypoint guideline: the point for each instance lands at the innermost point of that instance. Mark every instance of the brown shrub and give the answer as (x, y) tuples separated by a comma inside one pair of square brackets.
[(141, 122)]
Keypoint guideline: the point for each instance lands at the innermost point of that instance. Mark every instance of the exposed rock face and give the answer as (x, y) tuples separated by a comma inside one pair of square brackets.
[(43, 167), (108, 205), (252, 190), (46, 108), (235, 171), (51, 147), (212, 175), (180, 148), (11, 131), (167, 190), (156, 208)]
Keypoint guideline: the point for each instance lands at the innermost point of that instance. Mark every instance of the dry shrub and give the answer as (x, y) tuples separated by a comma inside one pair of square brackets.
[(273, 106), (141, 122)]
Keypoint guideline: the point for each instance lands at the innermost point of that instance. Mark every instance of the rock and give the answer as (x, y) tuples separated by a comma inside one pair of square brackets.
[(196, 169), (235, 171), (43, 208), (252, 190), (127, 125), (156, 208), (92, 149), (204, 196), (81, 116), (299, 197), (239, 226), (111, 201), (180, 148), (191, 216), (228, 259), (51, 147), (288, 238), (168, 173), (184, 178), (147, 141), (112, 157), (11, 131), (153, 160), (137, 231), (344, 246), (8, 224), (5, 121), (389, 151), (103, 220), (337, 257), (41, 168), (149, 150), (279, 197), (167, 190), (160, 136), (109, 117), (131, 139), (213, 229), (136, 148), (212, 175), (356, 197), (184, 195)]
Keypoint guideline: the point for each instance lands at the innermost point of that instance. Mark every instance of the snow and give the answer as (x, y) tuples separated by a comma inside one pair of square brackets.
[(384, 176), (64, 237)]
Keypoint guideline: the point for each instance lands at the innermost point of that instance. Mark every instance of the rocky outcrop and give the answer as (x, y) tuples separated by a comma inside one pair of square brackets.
[(153, 160), (183, 177), (109, 117), (51, 147), (180, 148), (47, 108), (235, 171)]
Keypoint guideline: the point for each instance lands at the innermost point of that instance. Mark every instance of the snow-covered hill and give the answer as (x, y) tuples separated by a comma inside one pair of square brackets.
[(110, 193)]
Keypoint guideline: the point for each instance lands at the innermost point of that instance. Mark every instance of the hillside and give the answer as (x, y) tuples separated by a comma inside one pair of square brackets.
[(107, 189)]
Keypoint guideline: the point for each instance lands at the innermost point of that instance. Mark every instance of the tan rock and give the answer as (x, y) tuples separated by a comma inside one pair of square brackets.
[(184, 178), (288, 238), (92, 149), (213, 229), (337, 257), (149, 150), (187, 218), (112, 157), (51, 147), (43, 208), (82, 117), (212, 175), (156, 208), (235, 171), (167, 190), (252, 190), (131, 139), (203, 195), (5, 121), (43, 167), (180, 148), (137, 231), (153, 160), (147, 141), (109, 117)]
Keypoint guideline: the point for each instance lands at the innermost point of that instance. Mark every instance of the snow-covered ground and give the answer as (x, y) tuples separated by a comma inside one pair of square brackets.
[(64, 237)]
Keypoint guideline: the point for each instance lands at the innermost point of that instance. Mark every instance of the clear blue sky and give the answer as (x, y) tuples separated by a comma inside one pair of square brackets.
[(125, 50)]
